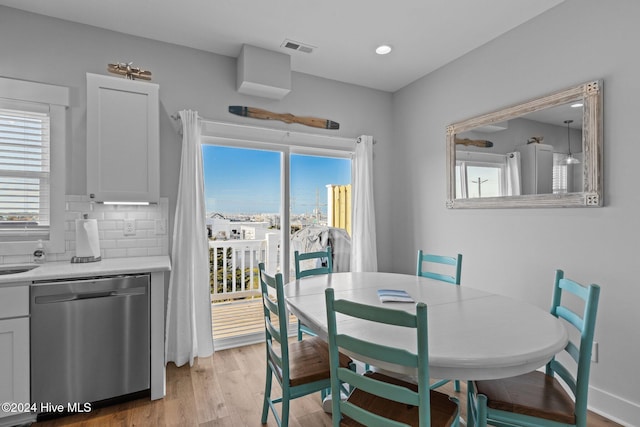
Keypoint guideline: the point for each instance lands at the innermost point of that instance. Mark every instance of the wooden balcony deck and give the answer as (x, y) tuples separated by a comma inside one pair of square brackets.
[(238, 318)]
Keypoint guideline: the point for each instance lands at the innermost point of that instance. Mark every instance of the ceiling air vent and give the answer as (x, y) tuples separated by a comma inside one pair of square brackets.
[(301, 47)]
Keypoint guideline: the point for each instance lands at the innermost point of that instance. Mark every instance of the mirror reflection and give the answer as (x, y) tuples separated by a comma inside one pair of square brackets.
[(546, 152), (538, 153)]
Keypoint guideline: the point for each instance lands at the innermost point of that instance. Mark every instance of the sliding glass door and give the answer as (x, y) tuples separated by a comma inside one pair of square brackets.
[(244, 217), (320, 206), (257, 200)]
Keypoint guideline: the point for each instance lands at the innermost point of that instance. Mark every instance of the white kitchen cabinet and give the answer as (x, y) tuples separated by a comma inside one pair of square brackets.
[(536, 168), (14, 353), (122, 140)]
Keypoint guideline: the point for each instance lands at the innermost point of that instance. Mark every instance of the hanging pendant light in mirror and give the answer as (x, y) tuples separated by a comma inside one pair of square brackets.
[(570, 160)]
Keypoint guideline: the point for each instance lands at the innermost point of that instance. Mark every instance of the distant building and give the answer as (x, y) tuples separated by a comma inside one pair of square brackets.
[(221, 228), (339, 206)]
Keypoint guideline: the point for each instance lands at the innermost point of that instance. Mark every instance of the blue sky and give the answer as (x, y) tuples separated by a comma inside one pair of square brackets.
[(238, 180)]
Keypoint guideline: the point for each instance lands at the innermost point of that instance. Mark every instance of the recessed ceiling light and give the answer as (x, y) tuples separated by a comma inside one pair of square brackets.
[(576, 105), (383, 49)]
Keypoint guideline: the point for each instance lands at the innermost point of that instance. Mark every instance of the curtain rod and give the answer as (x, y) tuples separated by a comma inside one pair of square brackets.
[(286, 133)]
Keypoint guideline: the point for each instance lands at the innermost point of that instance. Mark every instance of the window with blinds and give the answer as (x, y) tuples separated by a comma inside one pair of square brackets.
[(560, 174), (24, 173)]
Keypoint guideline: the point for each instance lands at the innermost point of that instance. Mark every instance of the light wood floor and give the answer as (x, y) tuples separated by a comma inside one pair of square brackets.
[(222, 390), (231, 319)]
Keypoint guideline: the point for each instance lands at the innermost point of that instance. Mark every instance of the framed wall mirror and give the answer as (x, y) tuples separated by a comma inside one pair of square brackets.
[(546, 152)]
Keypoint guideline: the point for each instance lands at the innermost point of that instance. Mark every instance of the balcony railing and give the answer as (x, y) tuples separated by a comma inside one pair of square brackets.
[(233, 266), (235, 287), (236, 309)]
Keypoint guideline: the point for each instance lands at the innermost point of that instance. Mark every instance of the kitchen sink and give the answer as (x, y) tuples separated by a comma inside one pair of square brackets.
[(14, 269)]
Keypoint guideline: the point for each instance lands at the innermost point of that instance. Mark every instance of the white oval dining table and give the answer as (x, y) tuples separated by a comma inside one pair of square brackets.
[(473, 334)]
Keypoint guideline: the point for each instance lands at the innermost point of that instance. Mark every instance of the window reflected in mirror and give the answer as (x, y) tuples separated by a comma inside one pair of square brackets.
[(480, 175)]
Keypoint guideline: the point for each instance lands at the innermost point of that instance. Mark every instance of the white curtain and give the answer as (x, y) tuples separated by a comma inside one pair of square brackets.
[(189, 304), (514, 178), (364, 255), (462, 178)]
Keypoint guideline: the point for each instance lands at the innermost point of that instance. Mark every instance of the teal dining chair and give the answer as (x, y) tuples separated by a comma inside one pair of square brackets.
[(538, 398), (322, 265), (300, 367), (456, 263), (378, 399)]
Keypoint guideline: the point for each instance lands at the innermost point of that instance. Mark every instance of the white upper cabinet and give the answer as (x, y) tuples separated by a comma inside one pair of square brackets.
[(123, 150)]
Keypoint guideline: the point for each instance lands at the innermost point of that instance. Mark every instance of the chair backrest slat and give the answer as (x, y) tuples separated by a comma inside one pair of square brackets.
[(275, 310), (456, 262), (581, 353), (382, 352), (380, 314), (574, 287), (573, 351), (571, 317), (271, 306), (564, 373), (324, 257), (386, 390), (274, 356), (273, 331)]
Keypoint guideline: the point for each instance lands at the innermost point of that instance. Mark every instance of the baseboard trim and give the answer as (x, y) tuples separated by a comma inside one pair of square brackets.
[(18, 420), (239, 341), (242, 340), (616, 408)]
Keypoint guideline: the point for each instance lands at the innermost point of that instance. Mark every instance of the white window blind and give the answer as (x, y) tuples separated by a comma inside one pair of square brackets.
[(24, 172), (560, 177)]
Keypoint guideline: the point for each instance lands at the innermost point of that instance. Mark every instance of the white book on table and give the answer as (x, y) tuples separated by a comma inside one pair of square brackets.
[(394, 295)]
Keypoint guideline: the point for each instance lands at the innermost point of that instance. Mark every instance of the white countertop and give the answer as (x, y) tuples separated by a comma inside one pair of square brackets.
[(105, 267)]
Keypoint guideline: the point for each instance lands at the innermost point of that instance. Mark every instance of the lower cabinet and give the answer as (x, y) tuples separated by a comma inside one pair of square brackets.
[(14, 366), (14, 356)]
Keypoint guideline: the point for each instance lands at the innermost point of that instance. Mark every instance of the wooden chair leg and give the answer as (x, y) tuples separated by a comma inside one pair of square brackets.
[(456, 385), (284, 416), (476, 407), (267, 396), (470, 411), (481, 411)]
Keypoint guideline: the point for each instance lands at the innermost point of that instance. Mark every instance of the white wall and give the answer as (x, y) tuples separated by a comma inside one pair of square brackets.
[(515, 252), (53, 51)]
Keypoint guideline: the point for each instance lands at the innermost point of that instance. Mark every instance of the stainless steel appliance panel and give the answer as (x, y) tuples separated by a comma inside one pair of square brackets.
[(89, 339)]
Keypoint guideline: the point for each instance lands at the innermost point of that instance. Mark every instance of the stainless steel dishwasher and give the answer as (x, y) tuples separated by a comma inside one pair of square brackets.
[(89, 339)]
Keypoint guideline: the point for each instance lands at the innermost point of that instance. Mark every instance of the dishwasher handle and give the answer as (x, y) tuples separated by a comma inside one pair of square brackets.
[(77, 296), (89, 295)]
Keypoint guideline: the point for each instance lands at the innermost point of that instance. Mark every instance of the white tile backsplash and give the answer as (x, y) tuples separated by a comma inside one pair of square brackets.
[(113, 242)]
